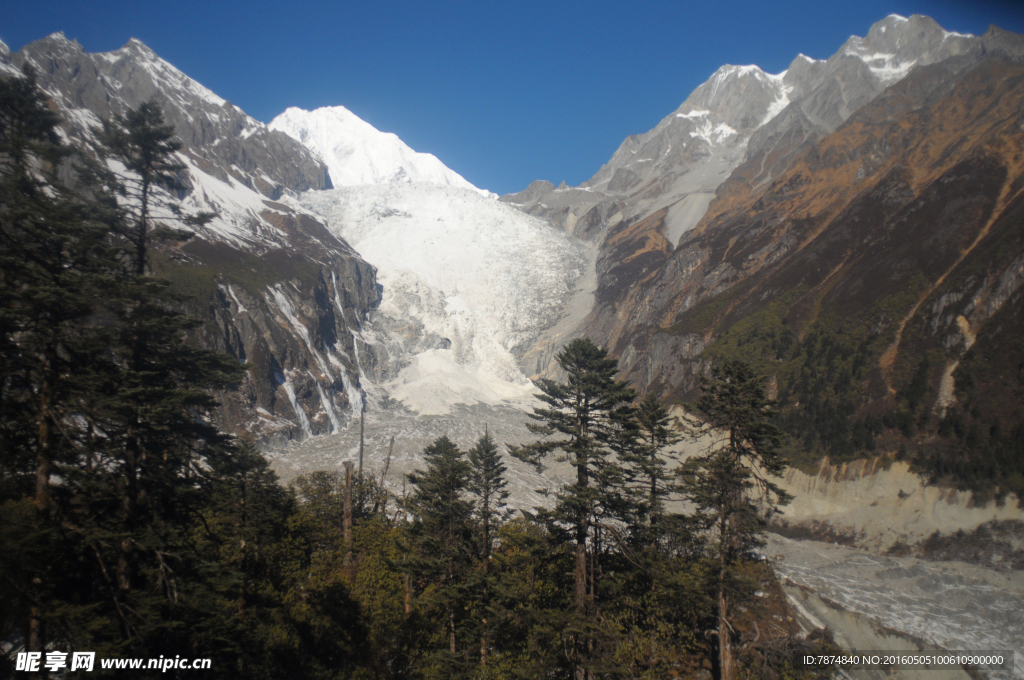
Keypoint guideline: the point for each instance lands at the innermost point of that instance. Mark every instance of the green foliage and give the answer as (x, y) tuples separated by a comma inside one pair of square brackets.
[(825, 365), (647, 457), (442, 553), (822, 387), (980, 445), (591, 411), (163, 535), (763, 338), (731, 484)]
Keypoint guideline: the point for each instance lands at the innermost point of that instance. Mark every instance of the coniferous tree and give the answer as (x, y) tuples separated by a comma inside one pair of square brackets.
[(731, 485), (156, 422), (489, 490), (53, 255), (146, 147), (650, 459), (441, 534), (164, 536), (55, 260), (590, 410)]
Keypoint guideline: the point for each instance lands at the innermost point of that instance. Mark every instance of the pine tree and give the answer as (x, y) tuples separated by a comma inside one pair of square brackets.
[(650, 459), (146, 147), (54, 261), (489, 490), (441, 535), (590, 411), (157, 406), (730, 483)]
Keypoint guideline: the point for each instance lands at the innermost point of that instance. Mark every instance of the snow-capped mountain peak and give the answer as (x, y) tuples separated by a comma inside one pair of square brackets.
[(357, 153)]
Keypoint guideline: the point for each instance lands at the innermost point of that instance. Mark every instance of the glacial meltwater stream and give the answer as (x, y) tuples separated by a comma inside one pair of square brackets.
[(871, 602)]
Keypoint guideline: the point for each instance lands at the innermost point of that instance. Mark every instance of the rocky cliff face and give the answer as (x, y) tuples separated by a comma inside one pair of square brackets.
[(895, 200), (732, 137), (273, 286)]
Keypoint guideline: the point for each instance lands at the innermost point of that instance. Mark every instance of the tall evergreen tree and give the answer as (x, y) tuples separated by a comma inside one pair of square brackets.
[(55, 260), (590, 410), (157, 405), (146, 147), (441, 534), (730, 483), (650, 459), (489, 490)]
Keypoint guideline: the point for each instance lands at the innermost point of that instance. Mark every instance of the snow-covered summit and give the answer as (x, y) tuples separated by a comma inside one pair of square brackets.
[(357, 153)]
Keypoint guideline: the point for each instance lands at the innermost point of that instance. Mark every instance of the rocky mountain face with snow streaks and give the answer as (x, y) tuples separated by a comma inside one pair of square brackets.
[(708, 172), (273, 286), (446, 290)]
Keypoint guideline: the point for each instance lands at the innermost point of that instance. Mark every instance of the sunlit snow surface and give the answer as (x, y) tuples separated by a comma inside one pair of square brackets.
[(478, 273), (357, 153), (956, 606)]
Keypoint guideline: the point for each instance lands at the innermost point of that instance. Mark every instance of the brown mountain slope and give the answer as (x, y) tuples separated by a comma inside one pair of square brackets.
[(886, 243)]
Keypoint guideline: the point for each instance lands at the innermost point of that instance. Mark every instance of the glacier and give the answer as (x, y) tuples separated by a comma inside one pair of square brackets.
[(469, 284)]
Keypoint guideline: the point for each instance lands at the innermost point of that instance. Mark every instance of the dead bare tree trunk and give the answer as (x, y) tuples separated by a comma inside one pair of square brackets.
[(346, 522), (726, 661), (405, 556), (725, 656), (381, 500), (362, 419), (451, 629)]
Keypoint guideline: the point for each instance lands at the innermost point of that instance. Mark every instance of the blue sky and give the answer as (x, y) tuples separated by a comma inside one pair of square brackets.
[(503, 93)]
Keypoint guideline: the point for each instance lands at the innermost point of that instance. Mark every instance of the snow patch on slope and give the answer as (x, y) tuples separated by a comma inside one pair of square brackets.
[(357, 153), (884, 66), (776, 107), (713, 134)]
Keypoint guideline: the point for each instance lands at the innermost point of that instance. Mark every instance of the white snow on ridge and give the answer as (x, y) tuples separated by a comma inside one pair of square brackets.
[(884, 66), (779, 104), (357, 153), (696, 113), (170, 79), (237, 206)]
